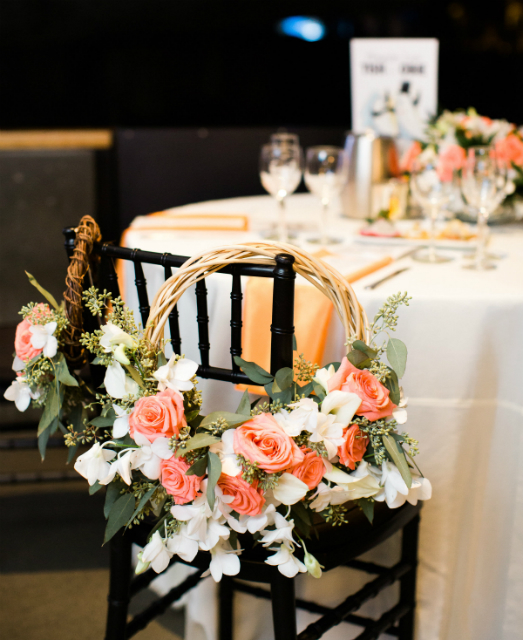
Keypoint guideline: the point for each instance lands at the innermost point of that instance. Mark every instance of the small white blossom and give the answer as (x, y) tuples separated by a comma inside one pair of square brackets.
[(224, 561), (20, 393), (94, 464), (323, 376), (226, 453), (18, 364), (156, 553), (117, 384), (342, 404), (176, 375), (182, 545), (121, 466), (304, 414), (42, 338), (114, 340), (281, 533), (121, 424), (329, 432), (287, 564)]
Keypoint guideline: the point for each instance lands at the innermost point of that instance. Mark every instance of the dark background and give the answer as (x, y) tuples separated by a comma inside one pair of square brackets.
[(136, 63)]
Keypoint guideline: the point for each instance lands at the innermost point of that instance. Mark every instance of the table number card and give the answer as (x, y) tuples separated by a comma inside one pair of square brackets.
[(394, 85)]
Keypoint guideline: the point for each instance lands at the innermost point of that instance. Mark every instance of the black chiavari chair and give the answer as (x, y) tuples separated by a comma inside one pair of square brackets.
[(333, 546)]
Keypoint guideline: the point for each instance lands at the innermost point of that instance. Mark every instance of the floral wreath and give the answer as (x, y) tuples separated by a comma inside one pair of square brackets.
[(321, 437)]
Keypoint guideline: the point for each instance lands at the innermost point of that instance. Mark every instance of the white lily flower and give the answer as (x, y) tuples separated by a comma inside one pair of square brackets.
[(148, 458), (224, 561), (329, 432), (214, 533), (281, 533), (114, 340), (117, 384), (18, 364), (287, 564), (291, 428), (290, 489), (156, 553), (421, 490), (121, 424), (94, 464), (322, 497), (122, 465), (259, 522), (197, 516), (323, 376), (342, 404), (42, 338), (176, 375), (394, 490), (226, 453), (304, 414), (182, 545), (20, 393)]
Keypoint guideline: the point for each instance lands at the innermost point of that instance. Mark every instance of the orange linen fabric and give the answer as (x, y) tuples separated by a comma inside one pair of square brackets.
[(312, 314)]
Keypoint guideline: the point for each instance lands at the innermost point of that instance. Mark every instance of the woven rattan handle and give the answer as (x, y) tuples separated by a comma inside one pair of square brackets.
[(320, 274)]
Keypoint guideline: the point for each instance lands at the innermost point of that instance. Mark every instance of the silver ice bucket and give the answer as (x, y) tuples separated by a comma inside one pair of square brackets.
[(373, 180)]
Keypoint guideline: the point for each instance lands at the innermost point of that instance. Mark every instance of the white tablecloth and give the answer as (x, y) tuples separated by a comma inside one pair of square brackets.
[(464, 331)]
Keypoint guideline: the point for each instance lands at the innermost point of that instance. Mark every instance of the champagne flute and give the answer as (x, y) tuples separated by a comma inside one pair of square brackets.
[(483, 180), (281, 164), (325, 175), (433, 191)]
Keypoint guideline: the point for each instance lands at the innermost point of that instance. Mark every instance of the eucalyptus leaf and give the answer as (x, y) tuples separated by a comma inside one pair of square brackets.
[(196, 422), (367, 506), (197, 442), (232, 419), (306, 390), (62, 372), (319, 390), (121, 511), (215, 470), (51, 409), (358, 358), (392, 384), (253, 371), (93, 488), (191, 415), (143, 501), (45, 293), (301, 518), (134, 375), (294, 343), (102, 421), (157, 526), (162, 360), (111, 495), (336, 365), (43, 439), (244, 408), (71, 453), (284, 378), (397, 356), (361, 346), (198, 468), (399, 459)]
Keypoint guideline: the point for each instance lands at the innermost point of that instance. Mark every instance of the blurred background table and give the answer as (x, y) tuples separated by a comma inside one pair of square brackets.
[(464, 331)]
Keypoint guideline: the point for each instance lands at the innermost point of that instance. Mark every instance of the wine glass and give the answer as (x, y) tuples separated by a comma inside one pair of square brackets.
[(281, 164), (325, 176), (432, 188), (483, 180)]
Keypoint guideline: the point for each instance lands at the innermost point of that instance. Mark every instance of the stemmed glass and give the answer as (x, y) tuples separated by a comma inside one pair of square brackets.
[(325, 175), (281, 166), (433, 190), (483, 180)]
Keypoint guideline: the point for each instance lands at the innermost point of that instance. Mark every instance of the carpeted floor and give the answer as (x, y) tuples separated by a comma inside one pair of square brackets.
[(53, 569)]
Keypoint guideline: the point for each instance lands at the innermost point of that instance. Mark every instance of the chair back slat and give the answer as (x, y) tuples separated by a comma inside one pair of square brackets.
[(202, 319), (108, 272), (141, 288), (174, 325), (282, 327), (236, 319)]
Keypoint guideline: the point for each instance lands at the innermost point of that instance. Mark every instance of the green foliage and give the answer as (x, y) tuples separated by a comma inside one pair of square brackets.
[(214, 472), (198, 468), (398, 457), (253, 371), (283, 380), (244, 408), (367, 506), (397, 356), (387, 318), (114, 489), (45, 293), (120, 514), (198, 441), (232, 419)]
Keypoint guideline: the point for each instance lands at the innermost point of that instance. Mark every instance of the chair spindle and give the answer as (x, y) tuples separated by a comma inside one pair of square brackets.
[(282, 327), (109, 272), (236, 319), (174, 325), (203, 322), (141, 288)]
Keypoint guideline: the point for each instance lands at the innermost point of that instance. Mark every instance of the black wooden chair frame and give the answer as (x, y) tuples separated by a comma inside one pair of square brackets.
[(334, 547)]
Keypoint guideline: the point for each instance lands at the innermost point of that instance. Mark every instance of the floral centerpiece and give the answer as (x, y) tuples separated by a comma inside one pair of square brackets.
[(453, 132), (319, 439)]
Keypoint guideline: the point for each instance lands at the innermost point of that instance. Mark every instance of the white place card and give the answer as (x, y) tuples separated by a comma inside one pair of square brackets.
[(394, 85)]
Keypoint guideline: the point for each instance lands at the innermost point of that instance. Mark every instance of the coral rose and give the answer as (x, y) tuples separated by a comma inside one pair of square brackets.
[(23, 347), (375, 401), (354, 447), (450, 159), (311, 469), (262, 440), (407, 161), (159, 416), (183, 488), (509, 150), (248, 499)]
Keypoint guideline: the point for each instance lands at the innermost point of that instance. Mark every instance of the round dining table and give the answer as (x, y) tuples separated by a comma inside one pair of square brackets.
[(464, 383)]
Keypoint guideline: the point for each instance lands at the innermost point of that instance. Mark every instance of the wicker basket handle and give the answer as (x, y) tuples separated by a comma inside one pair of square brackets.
[(324, 277)]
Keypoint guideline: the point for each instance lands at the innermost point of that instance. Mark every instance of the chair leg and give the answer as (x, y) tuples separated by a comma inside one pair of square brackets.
[(225, 614), (409, 553), (283, 607), (119, 583)]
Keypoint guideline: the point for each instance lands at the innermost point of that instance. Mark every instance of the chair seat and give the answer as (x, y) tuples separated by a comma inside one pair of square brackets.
[(332, 546)]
